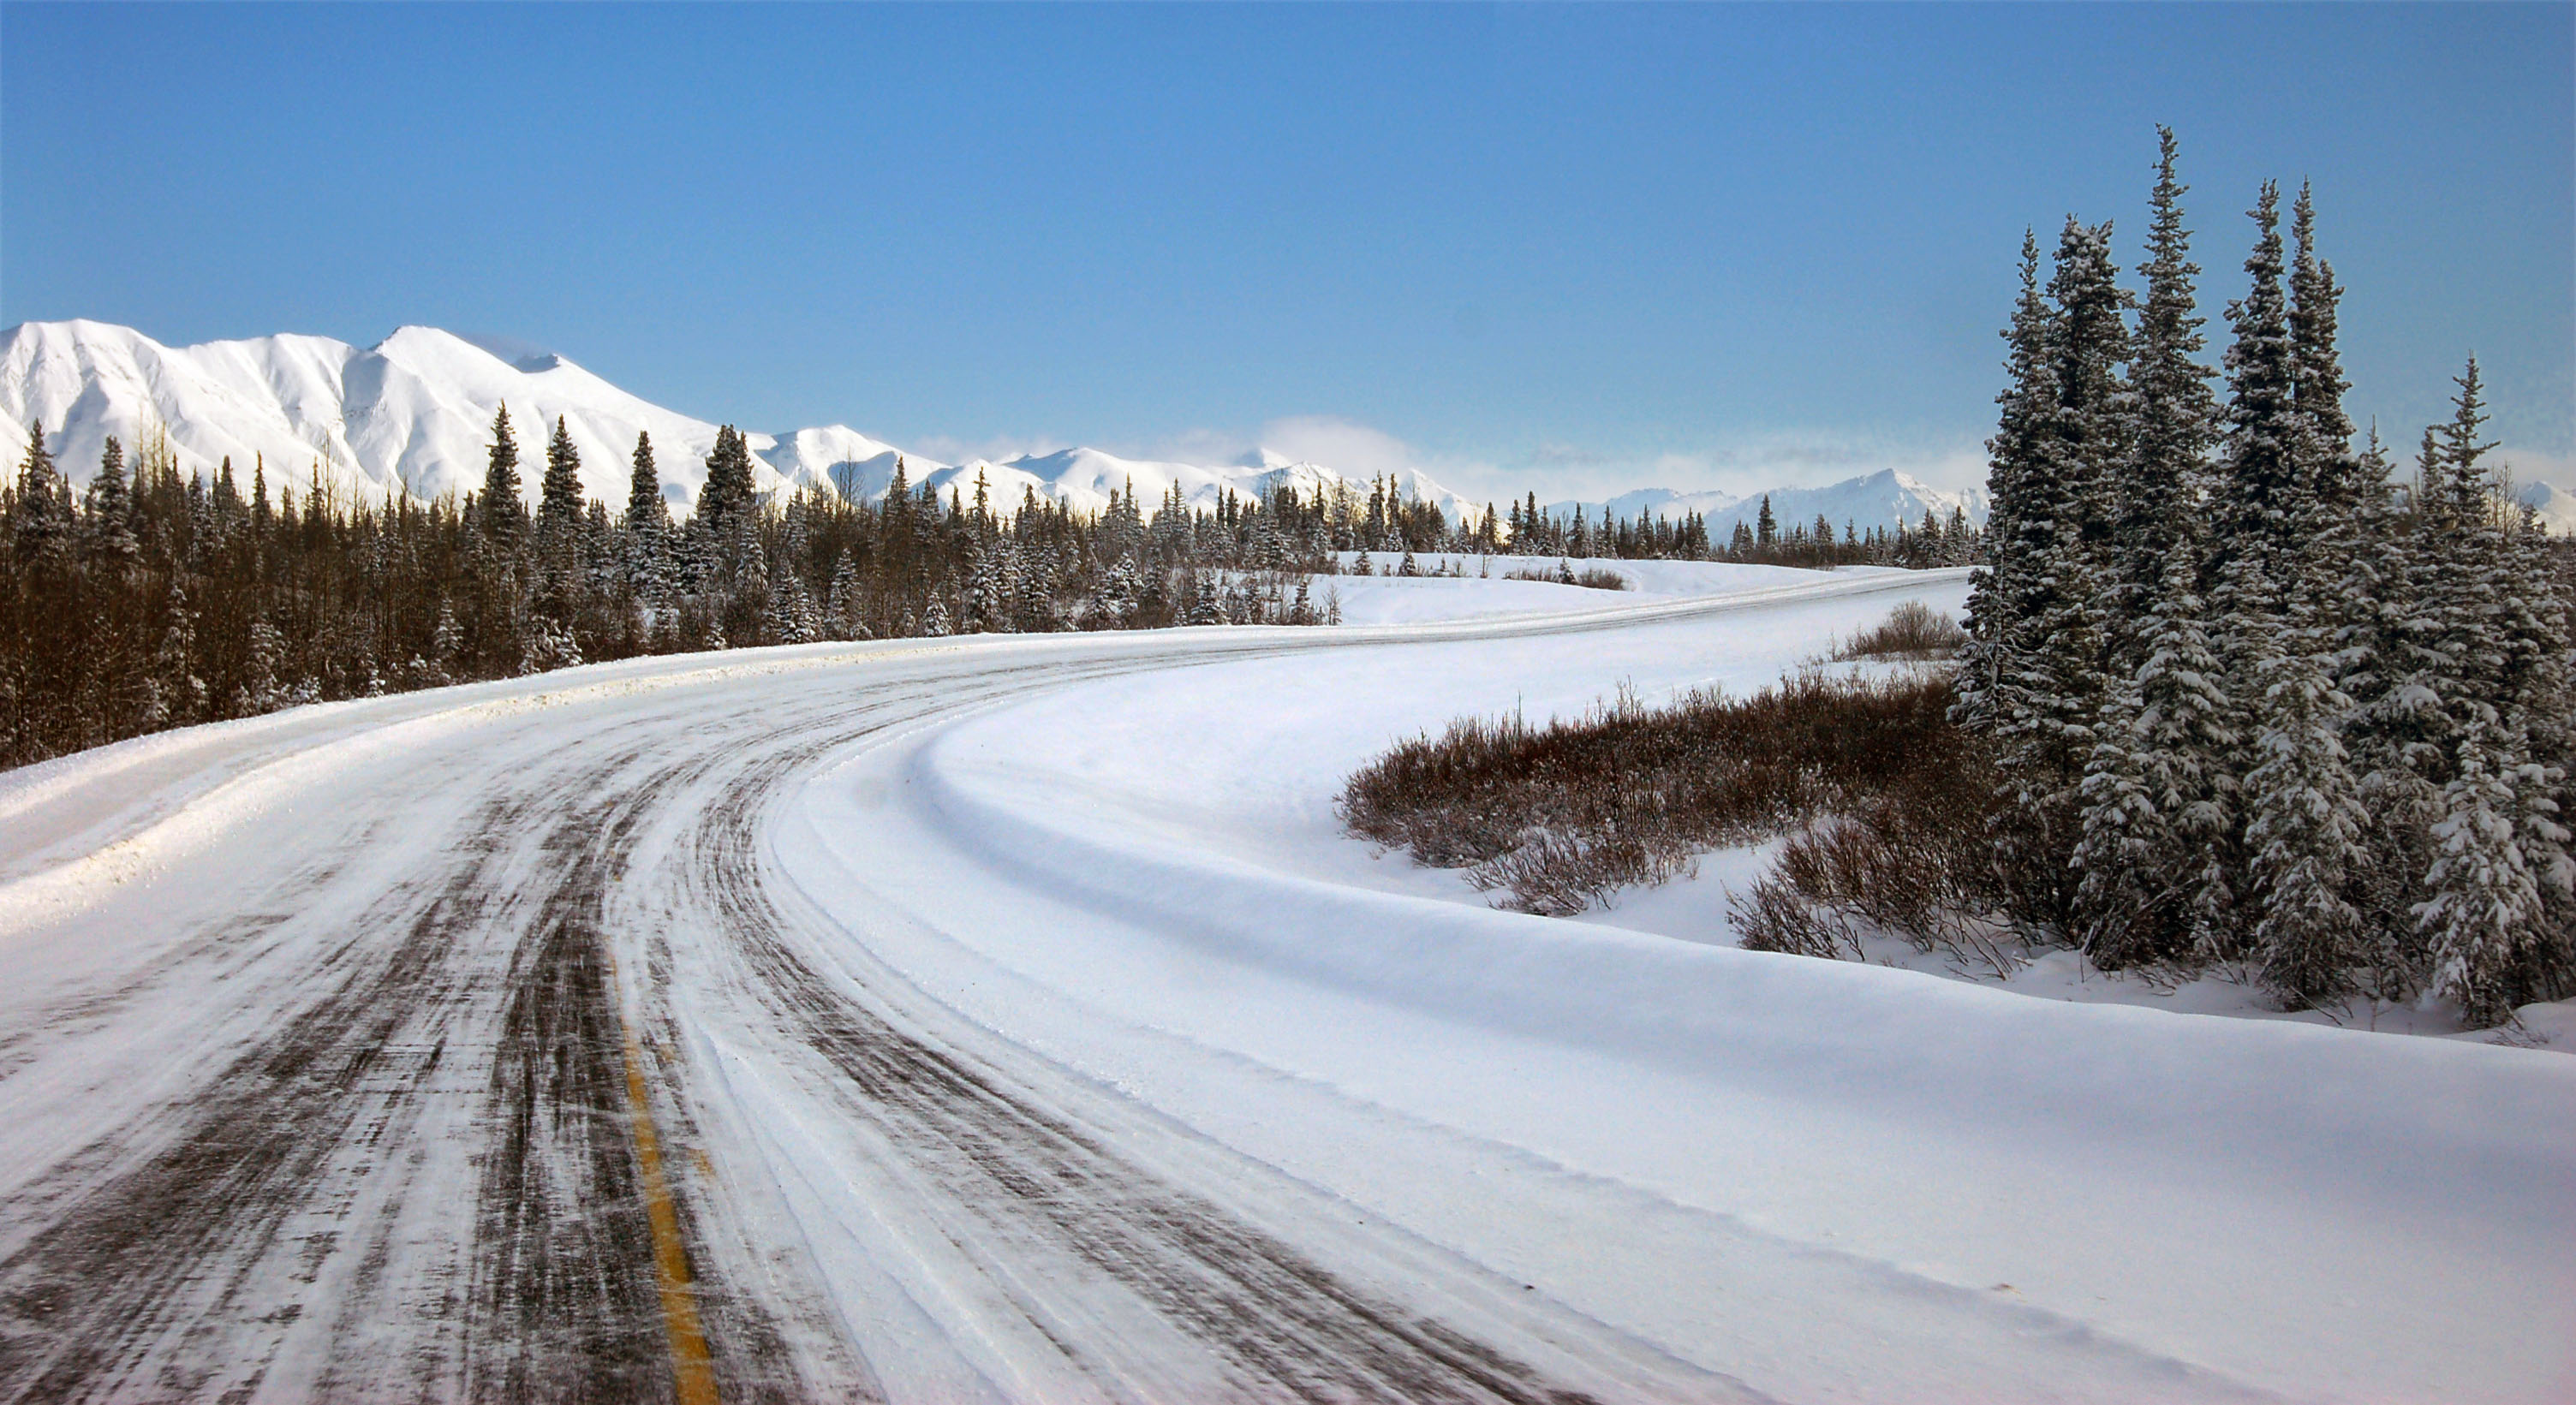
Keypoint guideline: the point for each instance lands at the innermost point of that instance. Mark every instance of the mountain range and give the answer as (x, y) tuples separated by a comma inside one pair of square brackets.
[(413, 414)]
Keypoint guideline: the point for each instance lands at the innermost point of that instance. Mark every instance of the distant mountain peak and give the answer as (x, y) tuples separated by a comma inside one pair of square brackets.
[(519, 355), (414, 412)]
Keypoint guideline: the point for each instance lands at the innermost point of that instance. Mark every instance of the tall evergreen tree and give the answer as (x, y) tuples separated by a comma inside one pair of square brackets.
[(647, 524), (2256, 507), (504, 513), (1990, 665), (2304, 819), (646, 509), (727, 495), (2158, 871), (559, 501), (111, 511), (2163, 478), (2483, 919), (2498, 849)]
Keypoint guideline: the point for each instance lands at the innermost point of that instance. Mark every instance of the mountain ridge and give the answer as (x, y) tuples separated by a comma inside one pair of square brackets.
[(413, 413)]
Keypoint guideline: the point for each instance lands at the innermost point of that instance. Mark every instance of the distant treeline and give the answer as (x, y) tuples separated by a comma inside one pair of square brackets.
[(155, 599)]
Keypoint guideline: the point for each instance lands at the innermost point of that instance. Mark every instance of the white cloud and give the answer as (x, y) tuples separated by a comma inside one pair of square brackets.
[(1354, 448)]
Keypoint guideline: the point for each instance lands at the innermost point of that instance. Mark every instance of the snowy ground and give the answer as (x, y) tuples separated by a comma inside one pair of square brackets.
[(1009, 1019), (1483, 589)]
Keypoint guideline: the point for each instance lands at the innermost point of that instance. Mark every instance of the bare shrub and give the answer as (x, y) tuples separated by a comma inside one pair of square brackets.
[(1593, 577), (1563, 816), (1774, 916), (1912, 630)]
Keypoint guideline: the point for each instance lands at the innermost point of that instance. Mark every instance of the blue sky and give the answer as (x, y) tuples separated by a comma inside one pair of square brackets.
[(1554, 247)]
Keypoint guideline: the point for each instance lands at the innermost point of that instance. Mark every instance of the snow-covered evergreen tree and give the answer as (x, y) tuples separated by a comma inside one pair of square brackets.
[(2257, 509), (2482, 922), (504, 513), (2304, 819), (109, 514), (792, 617), (652, 573), (2162, 479), (40, 513), (1989, 663), (2158, 871), (988, 596)]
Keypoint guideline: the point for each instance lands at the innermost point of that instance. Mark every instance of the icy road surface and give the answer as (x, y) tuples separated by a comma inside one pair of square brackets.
[(1002, 1019)]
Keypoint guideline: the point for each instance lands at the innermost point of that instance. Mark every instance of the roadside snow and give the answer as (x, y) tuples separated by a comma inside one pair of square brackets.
[(1481, 588), (1821, 1178)]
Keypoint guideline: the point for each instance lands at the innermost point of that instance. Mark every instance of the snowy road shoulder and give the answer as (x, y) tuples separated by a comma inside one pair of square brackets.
[(1154, 861)]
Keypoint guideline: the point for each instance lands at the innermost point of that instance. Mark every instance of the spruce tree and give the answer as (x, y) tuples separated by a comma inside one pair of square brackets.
[(40, 526), (727, 494), (2392, 715), (2304, 818), (2162, 479), (647, 512), (1990, 664), (504, 515), (559, 495), (2316, 367), (2483, 921), (2256, 507), (178, 691), (2539, 706), (2044, 705), (111, 511), (2157, 873), (2498, 848)]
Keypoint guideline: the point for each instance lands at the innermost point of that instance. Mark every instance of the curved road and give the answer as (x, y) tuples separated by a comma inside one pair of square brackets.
[(380, 1051)]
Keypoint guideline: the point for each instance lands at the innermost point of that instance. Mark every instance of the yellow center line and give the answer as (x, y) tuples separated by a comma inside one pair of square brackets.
[(693, 1375)]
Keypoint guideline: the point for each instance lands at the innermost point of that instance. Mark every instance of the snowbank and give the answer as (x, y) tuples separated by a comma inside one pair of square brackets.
[(2183, 1204)]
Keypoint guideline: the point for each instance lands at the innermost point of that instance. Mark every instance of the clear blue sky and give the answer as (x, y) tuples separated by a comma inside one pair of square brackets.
[(1582, 247)]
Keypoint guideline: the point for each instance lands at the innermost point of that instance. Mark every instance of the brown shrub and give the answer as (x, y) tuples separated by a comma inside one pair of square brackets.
[(1912, 630), (1593, 577), (1562, 816)]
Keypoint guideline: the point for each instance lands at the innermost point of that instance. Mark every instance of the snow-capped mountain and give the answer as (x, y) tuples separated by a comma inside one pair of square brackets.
[(413, 414), (1880, 499), (2556, 507)]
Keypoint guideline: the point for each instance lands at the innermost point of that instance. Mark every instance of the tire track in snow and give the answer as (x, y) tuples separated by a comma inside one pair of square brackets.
[(144, 1282), (1277, 1324), (177, 1271), (285, 1222)]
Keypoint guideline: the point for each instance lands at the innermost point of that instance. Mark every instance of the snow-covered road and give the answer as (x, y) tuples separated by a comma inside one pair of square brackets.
[(1002, 1019)]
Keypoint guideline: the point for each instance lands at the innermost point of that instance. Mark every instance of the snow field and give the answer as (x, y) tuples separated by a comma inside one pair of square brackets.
[(1818, 1178), (1386, 598), (1625, 1158)]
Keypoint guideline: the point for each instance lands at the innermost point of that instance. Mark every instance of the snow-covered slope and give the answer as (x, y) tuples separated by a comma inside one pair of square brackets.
[(2555, 506), (1647, 503), (1880, 499), (412, 413)]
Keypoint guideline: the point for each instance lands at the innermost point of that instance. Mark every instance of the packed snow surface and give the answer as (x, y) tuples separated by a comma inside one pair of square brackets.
[(1014, 1021)]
